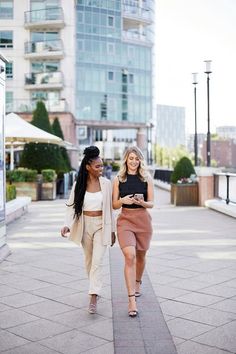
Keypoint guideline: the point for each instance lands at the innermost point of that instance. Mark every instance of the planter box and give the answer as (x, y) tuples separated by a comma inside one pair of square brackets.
[(27, 189), (184, 194), (48, 191)]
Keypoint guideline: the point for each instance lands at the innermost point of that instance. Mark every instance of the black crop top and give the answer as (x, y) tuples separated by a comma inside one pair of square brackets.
[(132, 185)]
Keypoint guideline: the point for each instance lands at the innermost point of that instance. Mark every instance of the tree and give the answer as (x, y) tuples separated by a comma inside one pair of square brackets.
[(40, 118), (42, 156), (56, 128), (167, 157)]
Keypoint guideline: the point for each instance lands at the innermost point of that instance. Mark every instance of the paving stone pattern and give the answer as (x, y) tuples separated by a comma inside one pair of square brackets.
[(190, 279)]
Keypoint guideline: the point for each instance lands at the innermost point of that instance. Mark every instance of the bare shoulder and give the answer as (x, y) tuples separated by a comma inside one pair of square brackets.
[(116, 181), (149, 179)]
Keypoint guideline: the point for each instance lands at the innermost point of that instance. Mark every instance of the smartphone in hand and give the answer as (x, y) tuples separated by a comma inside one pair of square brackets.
[(138, 196)]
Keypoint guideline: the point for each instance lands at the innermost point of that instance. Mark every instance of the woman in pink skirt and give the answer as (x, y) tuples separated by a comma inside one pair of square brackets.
[(133, 192)]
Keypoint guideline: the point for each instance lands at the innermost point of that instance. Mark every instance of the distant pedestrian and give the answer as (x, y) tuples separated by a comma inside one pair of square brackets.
[(133, 191), (89, 218), (108, 171)]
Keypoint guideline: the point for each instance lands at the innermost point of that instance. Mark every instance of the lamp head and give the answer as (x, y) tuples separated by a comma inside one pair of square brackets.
[(195, 82), (208, 66)]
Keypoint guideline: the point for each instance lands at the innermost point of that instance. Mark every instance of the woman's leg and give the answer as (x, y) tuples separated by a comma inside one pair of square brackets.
[(140, 265), (130, 274), (95, 275)]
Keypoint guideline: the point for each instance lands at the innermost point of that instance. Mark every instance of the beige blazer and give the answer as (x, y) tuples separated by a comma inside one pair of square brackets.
[(76, 225)]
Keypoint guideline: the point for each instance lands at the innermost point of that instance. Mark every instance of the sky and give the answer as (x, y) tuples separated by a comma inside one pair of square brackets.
[(187, 33)]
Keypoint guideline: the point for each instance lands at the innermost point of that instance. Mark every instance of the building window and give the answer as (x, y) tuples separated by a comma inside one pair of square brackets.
[(44, 66), (9, 70), (111, 48), (52, 96), (44, 36), (80, 17), (110, 21), (6, 9), (43, 4), (124, 116), (9, 101), (6, 39), (110, 75), (131, 78), (81, 45)]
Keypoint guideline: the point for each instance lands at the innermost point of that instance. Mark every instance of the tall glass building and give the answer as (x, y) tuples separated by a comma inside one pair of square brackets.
[(90, 61), (113, 64)]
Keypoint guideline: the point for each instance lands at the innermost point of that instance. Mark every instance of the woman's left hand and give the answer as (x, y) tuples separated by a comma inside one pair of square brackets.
[(139, 201), (113, 238)]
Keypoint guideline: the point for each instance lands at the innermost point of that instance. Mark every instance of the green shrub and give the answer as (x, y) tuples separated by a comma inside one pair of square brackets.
[(10, 192), (115, 166), (183, 169), (49, 175), (22, 175)]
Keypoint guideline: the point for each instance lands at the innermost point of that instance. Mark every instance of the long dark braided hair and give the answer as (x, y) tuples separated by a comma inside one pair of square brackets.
[(91, 153)]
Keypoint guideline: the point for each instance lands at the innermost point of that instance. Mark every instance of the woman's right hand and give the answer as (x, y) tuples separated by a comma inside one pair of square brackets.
[(128, 199), (64, 231)]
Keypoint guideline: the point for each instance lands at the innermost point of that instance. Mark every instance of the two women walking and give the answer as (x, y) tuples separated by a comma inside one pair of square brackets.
[(89, 219)]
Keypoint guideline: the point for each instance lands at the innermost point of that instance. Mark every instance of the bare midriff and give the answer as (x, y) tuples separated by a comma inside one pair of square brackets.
[(93, 213)]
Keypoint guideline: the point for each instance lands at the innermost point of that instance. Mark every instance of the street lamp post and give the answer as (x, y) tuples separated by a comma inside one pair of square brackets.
[(195, 120), (208, 72), (150, 125)]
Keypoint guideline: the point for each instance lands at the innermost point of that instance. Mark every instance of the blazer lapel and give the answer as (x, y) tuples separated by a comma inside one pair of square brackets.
[(104, 195)]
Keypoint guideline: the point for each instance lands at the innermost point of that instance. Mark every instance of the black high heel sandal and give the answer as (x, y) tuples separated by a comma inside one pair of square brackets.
[(137, 293), (132, 313)]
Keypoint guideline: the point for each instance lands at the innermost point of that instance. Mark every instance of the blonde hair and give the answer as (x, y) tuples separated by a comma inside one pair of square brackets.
[(142, 169)]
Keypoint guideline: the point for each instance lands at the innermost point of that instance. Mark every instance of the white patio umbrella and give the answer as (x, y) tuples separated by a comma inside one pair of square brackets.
[(18, 131)]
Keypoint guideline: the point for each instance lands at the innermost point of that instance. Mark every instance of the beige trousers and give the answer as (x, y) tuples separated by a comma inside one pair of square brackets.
[(94, 251)]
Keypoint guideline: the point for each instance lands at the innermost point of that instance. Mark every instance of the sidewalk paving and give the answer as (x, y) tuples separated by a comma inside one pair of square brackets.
[(191, 266)]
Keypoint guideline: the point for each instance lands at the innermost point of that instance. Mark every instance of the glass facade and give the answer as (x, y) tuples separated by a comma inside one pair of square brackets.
[(113, 72), (6, 9)]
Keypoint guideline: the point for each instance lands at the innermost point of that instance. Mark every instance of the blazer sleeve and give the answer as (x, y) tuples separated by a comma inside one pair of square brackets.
[(113, 224), (69, 216)]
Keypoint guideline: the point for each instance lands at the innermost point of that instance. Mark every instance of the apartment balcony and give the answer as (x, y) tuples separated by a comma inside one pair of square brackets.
[(52, 18), (44, 50), (136, 37), (44, 80), (134, 15), (28, 106)]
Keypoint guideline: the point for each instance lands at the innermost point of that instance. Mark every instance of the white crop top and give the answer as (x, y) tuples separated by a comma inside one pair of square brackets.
[(92, 201)]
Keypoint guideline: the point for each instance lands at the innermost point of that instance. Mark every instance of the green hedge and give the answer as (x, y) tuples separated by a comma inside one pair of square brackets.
[(49, 175), (10, 192), (22, 175)]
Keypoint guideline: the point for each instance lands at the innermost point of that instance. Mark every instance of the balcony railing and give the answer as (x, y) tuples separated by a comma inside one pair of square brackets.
[(163, 175), (44, 78), (132, 10), (54, 14), (44, 46), (27, 106), (135, 37), (225, 187)]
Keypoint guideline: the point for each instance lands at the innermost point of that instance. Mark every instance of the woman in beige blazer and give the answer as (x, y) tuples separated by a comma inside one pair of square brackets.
[(89, 218)]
